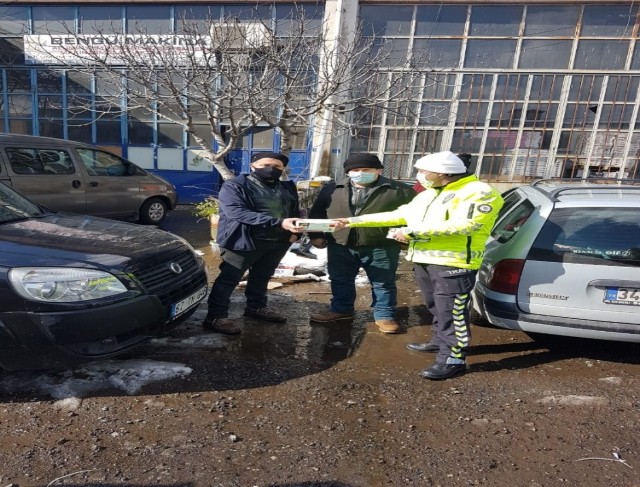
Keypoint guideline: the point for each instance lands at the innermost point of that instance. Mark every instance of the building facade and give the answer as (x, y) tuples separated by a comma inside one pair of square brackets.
[(531, 89)]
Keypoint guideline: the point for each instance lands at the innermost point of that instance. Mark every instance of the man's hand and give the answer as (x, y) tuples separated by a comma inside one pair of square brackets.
[(319, 243), (398, 235), (291, 225), (340, 223)]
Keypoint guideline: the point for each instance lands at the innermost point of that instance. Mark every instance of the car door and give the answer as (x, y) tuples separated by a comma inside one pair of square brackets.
[(113, 186), (585, 264), (47, 176)]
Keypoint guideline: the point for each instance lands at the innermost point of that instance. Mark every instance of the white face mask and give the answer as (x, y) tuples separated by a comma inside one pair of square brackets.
[(422, 179)]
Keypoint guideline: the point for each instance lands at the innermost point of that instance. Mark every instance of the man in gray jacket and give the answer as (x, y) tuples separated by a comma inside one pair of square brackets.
[(363, 191)]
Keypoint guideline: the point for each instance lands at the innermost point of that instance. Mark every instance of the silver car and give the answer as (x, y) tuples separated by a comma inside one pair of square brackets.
[(564, 259), (79, 178)]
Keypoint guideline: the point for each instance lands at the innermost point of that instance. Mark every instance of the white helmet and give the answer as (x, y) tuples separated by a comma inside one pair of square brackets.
[(445, 162)]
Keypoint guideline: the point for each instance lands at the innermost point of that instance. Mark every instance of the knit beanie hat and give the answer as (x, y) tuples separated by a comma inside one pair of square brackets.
[(360, 160), (269, 155), (445, 162)]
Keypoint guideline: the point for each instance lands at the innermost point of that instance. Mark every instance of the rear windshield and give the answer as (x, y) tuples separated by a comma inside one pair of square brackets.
[(590, 235)]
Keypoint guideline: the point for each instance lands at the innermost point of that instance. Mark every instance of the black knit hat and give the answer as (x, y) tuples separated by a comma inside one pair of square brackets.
[(269, 155), (356, 161)]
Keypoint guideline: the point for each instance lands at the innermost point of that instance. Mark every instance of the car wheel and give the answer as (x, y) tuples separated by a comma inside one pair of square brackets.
[(476, 318), (153, 211)]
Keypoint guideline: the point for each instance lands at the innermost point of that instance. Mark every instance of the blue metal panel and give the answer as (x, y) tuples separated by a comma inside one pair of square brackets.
[(192, 186)]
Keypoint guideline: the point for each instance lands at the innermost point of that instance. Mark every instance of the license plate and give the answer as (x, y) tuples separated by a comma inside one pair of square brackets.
[(188, 302), (622, 295)]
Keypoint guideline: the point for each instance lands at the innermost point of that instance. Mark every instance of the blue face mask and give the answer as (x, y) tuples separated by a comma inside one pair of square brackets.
[(360, 177)]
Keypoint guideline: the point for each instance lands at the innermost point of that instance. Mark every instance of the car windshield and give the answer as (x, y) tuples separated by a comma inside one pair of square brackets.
[(588, 235), (15, 207)]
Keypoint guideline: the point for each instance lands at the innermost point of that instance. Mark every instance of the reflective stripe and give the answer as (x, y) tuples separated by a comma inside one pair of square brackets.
[(460, 326), (449, 254)]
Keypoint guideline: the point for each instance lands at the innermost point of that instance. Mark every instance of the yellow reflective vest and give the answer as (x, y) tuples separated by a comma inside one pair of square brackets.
[(446, 226)]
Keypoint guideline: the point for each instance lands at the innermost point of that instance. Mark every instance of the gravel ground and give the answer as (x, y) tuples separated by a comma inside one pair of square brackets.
[(327, 405)]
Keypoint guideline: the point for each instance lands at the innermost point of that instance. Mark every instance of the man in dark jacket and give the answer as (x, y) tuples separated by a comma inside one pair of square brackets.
[(257, 217), (364, 191)]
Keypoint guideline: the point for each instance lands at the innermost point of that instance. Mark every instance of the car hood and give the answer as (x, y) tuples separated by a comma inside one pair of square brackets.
[(84, 239)]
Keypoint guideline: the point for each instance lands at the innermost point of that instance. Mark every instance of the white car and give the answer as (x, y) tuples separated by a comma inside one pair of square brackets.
[(564, 259)]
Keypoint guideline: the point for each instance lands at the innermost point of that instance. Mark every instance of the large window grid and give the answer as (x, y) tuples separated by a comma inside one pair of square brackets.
[(541, 91)]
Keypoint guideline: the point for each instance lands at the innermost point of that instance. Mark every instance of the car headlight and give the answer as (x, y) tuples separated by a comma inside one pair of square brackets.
[(63, 285)]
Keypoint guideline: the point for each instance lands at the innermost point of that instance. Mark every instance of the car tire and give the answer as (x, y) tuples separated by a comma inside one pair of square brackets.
[(476, 318), (153, 211)]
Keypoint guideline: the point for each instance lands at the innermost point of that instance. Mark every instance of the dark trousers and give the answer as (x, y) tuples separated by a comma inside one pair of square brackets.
[(261, 264), (446, 292), (380, 264)]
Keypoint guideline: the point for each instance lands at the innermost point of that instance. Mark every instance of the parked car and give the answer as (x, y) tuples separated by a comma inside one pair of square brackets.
[(70, 176), (76, 288), (564, 259)]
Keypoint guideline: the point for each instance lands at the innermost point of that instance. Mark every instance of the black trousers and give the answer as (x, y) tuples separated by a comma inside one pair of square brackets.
[(446, 293), (261, 264)]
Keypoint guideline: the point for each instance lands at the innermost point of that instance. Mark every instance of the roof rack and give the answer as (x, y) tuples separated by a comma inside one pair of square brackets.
[(591, 184)]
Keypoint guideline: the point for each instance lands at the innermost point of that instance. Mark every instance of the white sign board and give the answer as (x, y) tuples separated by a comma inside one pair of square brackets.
[(113, 49)]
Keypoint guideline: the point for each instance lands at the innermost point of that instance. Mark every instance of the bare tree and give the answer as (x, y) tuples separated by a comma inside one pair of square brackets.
[(221, 79)]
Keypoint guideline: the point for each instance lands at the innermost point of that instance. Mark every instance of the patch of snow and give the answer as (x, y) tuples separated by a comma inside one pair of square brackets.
[(128, 376)]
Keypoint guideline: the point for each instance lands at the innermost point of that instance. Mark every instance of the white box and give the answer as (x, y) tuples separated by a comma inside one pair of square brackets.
[(311, 225)]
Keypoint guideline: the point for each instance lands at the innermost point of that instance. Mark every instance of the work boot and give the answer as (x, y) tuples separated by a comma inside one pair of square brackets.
[(265, 314), (443, 371), (422, 347), (388, 326), (221, 325), (328, 316)]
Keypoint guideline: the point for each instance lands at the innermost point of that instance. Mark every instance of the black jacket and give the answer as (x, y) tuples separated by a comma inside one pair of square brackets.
[(238, 213), (333, 202)]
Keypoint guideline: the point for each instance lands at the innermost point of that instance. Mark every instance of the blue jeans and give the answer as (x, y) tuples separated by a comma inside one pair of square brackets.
[(380, 264)]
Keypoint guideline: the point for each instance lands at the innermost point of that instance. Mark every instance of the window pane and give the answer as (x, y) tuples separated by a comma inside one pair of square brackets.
[(12, 51), (609, 20), (51, 128), (622, 88), (49, 81), (141, 133), (169, 134), (601, 54), (546, 87), (437, 53), (467, 140), (108, 132), (103, 19), (50, 106), (18, 81), (476, 86), (196, 18), (247, 12), (391, 20), (80, 133), (585, 87), (148, 20), (545, 54), (13, 20), (78, 82), (511, 87), (288, 16), (550, 21), (438, 20), (435, 113), (20, 105), (495, 20), (490, 53), (53, 20), (471, 113)]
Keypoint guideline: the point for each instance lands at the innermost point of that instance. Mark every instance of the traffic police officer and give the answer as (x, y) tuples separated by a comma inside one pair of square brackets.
[(446, 227)]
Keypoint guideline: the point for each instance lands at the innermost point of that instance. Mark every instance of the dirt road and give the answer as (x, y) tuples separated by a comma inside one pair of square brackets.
[(327, 405)]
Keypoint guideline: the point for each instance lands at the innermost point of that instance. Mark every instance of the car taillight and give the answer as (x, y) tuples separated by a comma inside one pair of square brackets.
[(504, 277)]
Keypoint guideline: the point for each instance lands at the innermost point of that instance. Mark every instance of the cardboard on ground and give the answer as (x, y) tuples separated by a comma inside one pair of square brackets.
[(311, 225)]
